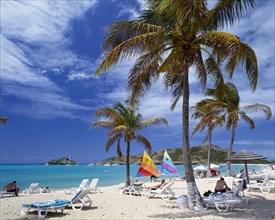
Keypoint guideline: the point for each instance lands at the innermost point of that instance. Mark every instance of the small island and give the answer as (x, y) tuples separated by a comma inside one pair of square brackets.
[(62, 161)]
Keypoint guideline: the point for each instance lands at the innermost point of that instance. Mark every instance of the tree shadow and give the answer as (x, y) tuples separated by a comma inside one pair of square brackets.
[(253, 210)]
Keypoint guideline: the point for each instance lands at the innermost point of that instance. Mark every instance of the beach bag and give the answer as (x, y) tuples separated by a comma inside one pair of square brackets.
[(207, 193)]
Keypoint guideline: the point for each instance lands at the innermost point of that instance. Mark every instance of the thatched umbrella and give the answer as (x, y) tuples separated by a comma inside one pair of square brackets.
[(245, 155)]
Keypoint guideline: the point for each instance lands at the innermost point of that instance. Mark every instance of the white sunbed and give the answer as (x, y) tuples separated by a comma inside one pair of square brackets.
[(84, 184), (224, 201), (77, 203), (4, 193), (43, 208), (33, 188), (93, 185), (165, 192), (265, 186)]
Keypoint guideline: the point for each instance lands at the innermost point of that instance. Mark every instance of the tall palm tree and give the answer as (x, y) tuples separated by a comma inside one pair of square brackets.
[(229, 108), (170, 37), (208, 119), (123, 121)]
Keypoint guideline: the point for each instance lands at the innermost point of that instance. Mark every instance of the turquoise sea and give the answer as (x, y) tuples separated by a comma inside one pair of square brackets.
[(64, 177)]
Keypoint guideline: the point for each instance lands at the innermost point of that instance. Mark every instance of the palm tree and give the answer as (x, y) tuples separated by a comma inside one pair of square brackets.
[(208, 119), (170, 37), (123, 121), (230, 110)]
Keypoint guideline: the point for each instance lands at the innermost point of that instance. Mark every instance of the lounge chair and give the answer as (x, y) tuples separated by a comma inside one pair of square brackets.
[(4, 193), (33, 188), (93, 186), (137, 189), (265, 186), (224, 201), (77, 203), (134, 189), (84, 184), (165, 191), (44, 207)]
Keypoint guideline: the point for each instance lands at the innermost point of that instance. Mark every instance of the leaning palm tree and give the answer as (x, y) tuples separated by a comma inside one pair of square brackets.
[(123, 121), (229, 108), (170, 37), (209, 119)]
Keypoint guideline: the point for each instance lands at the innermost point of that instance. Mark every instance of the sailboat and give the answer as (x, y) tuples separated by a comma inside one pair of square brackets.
[(147, 167), (167, 165)]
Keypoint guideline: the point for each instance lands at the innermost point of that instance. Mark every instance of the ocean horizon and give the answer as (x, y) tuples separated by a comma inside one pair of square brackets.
[(59, 177)]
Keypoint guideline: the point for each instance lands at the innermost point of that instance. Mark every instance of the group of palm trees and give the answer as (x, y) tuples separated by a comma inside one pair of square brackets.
[(168, 38)]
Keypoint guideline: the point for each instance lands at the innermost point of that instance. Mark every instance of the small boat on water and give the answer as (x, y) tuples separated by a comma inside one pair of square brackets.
[(106, 165), (91, 164)]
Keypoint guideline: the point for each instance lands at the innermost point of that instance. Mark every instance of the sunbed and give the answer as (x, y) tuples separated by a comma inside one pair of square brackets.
[(84, 184), (44, 207), (224, 201), (93, 185), (77, 203), (4, 193), (33, 188), (265, 186), (165, 192)]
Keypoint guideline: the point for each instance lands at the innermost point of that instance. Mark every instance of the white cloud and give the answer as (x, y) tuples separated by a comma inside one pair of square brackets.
[(35, 40), (79, 76)]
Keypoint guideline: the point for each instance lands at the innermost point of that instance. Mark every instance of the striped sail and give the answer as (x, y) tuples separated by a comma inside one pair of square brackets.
[(167, 165), (147, 167)]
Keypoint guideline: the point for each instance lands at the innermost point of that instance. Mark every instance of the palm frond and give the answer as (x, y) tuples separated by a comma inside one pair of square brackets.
[(110, 114), (124, 30), (111, 141), (226, 12), (247, 119), (128, 50), (103, 124), (255, 108), (144, 141), (153, 121), (142, 75), (215, 74), (120, 129)]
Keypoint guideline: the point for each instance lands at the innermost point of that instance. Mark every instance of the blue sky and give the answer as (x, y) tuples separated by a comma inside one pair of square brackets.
[(49, 52)]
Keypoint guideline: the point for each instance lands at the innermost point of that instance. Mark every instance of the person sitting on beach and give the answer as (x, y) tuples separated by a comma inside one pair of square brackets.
[(11, 187), (162, 182), (221, 186), (153, 178)]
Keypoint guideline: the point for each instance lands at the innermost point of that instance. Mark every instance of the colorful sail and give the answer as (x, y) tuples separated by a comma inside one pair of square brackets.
[(167, 165), (147, 167)]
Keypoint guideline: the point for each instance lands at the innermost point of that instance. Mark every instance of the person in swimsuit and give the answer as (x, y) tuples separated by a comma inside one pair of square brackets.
[(221, 186), (11, 187)]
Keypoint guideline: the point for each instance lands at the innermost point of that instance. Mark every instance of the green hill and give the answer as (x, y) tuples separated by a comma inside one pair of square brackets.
[(198, 155)]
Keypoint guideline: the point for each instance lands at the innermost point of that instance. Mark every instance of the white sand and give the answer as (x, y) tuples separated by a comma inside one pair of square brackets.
[(112, 204)]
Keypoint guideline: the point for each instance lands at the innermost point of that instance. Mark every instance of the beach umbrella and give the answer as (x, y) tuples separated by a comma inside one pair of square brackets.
[(245, 155), (200, 168), (214, 166)]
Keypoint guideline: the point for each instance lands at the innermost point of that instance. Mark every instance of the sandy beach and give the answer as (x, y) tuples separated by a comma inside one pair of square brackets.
[(113, 204)]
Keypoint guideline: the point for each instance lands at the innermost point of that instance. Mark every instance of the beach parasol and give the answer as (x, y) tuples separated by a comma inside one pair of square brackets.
[(200, 168), (245, 155), (214, 166)]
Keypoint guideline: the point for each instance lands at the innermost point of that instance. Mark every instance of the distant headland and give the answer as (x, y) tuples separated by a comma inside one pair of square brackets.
[(62, 161)]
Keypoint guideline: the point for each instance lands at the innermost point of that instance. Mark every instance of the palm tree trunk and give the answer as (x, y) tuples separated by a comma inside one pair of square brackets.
[(128, 164), (194, 197), (209, 153), (228, 171)]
